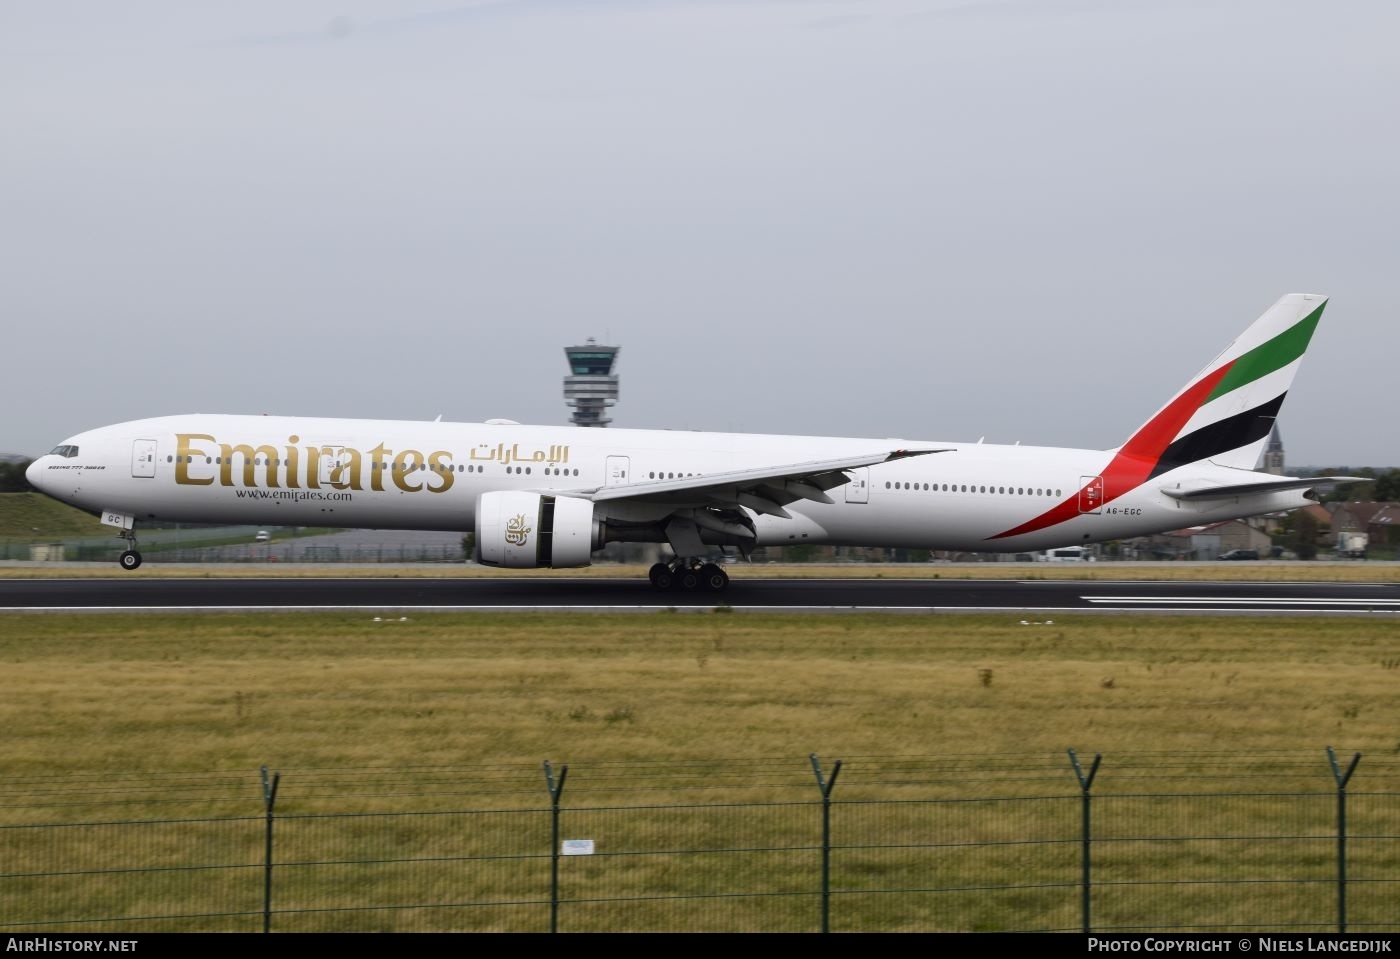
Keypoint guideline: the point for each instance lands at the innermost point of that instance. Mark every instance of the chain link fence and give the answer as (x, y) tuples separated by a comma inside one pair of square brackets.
[(1268, 844)]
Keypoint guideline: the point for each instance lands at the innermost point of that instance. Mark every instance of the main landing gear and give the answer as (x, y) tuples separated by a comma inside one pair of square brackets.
[(688, 576), (130, 558)]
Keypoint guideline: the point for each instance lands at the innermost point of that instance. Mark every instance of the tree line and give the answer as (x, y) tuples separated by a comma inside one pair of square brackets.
[(1383, 487), (12, 477)]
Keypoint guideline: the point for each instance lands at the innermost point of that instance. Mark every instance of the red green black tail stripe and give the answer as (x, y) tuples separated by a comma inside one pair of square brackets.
[(1220, 437), (1158, 447), (1270, 355), (1133, 464)]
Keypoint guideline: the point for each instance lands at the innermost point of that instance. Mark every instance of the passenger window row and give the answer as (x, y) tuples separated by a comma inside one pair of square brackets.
[(376, 466), (973, 488)]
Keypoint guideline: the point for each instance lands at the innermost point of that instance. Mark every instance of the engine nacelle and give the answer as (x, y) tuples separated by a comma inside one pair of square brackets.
[(521, 530)]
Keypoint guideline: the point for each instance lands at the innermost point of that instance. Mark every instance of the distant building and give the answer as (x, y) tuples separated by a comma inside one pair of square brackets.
[(1378, 520), (1384, 528), (1273, 453), (1355, 516), (591, 386), (1205, 542)]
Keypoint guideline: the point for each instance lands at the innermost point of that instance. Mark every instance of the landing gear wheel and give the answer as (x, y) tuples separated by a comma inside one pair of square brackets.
[(687, 579), (662, 576), (130, 559), (713, 578)]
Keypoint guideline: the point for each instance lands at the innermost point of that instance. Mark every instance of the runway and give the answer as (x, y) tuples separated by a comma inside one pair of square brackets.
[(609, 595)]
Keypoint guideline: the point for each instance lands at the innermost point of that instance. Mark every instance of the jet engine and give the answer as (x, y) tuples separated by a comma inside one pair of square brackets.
[(520, 530)]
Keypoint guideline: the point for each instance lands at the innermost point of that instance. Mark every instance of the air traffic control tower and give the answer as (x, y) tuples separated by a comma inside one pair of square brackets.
[(591, 386)]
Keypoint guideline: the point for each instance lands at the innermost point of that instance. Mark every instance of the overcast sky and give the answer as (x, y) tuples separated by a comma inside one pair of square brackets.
[(1026, 220)]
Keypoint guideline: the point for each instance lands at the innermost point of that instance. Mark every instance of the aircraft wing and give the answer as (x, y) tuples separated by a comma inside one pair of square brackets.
[(1204, 490), (766, 489)]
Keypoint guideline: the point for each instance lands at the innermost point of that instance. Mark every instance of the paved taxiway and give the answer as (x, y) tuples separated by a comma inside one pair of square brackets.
[(136, 593)]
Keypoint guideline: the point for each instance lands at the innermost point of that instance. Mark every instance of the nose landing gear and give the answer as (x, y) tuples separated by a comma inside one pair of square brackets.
[(130, 558)]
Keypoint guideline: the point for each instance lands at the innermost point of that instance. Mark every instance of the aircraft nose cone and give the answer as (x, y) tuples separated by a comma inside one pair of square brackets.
[(32, 474)]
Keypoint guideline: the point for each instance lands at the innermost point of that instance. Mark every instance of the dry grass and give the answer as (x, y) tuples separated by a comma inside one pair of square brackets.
[(174, 692), (117, 717)]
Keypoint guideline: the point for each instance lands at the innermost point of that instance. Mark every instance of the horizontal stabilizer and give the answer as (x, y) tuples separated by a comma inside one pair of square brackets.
[(1187, 491)]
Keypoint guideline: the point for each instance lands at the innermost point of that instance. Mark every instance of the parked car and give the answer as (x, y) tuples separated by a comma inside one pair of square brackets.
[(1241, 554)]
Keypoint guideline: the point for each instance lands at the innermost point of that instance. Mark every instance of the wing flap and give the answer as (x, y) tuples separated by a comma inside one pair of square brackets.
[(775, 486)]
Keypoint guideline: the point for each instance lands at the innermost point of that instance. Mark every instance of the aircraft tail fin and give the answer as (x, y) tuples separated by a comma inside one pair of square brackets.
[(1224, 415), (1226, 412)]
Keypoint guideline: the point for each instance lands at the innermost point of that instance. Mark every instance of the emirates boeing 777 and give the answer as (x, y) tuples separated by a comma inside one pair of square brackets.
[(550, 496)]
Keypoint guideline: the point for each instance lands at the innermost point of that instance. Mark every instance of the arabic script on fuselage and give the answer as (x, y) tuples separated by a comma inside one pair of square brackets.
[(202, 460)]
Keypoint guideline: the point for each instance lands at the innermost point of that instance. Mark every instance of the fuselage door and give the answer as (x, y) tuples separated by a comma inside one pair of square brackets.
[(617, 469), (1090, 494), (330, 465), (858, 489), (143, 458)]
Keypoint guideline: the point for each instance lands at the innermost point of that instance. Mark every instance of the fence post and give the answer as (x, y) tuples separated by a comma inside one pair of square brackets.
[(269, 801), (826, 785), (556, 788), (1085, 836), (1342, 778)]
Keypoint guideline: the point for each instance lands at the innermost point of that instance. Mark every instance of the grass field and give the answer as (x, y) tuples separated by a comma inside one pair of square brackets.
[(34, 517), (184, 693), (168, 717)]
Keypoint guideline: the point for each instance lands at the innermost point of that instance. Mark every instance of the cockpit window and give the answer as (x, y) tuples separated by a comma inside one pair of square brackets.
[(67, 452)]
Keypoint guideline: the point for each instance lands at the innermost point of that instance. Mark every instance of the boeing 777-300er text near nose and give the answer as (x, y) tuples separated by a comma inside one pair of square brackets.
[(552, 495)]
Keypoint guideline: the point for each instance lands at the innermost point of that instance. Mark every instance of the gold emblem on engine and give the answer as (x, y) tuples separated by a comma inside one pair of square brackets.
[(516, 530)]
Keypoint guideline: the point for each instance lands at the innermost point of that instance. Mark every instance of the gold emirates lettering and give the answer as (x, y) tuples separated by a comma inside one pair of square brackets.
[(201, 460)]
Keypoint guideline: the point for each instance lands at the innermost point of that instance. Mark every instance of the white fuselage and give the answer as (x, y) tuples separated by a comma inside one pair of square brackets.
[(295, 471)]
